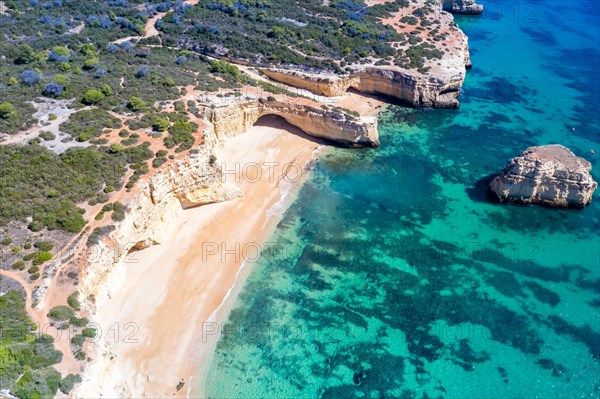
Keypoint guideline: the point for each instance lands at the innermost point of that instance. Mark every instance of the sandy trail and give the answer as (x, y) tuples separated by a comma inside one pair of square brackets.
[(152, 325)]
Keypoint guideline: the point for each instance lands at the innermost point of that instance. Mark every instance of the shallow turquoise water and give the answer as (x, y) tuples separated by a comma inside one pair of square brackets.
[(394, 276)]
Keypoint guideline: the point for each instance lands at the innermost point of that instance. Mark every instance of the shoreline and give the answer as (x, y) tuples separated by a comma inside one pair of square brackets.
[(159, 306), (197, 388)]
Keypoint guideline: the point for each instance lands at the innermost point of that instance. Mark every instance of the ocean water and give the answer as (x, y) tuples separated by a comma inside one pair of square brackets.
[(393, 275)]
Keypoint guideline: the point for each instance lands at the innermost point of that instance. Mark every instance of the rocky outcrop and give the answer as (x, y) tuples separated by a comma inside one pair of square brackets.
[(547, 175), (438, 87), (462, 7), (331, 124), (151, 210), (411, 87)]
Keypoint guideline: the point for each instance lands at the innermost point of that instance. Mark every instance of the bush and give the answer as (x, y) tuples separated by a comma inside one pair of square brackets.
[(67, 383), (80, 355), (47, 136), (33, 269), (78, 322), (6, 110), (143, 71), (61, 50), (136, 104), (53, 89), (30, 77), (25, 55), (107, 90), (88, 49), (41, 257), (61, 313), (42, 383), (73, 301), (44, 245), (161, 124), (93, 96), (89, 332), (18, 265), (78, 340), (90, 63), (6, 241)]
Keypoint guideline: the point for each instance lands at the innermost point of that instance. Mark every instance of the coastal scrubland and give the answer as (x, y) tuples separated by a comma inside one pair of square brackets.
[(96, 95)]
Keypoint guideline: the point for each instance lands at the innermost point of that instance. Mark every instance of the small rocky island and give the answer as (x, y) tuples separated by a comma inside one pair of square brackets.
[(548, 175)]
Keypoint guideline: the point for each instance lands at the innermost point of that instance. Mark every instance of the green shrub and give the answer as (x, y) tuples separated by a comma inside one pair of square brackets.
[(73, 301), (78, 322), (41, 258), (48, 136), (61, 313), (6, 241), (33, 269), (18, 265), (93, 96), (80, 355), (42, 383), (44, 245), (107, 90), (7, 110), (67, 383), (88, 49), (90, 63), (78, 340), (136, 104), (89, 332)]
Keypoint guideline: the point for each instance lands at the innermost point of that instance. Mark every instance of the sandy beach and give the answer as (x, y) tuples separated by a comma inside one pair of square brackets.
[(159, 327)]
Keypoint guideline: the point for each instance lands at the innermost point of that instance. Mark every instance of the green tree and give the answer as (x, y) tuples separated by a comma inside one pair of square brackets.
[(6, 110), (88, 49), (61, 80), (93, 96), (107, 90), (64, 67), (61, 50), (25, 55), (136, 103), (90, 63)]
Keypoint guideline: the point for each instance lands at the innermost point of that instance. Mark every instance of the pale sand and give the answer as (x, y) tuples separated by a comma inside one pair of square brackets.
[(170, 291)]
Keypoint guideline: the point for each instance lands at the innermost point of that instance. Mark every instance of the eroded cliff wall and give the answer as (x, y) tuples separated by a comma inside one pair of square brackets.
[(156, 203), (334, 125)]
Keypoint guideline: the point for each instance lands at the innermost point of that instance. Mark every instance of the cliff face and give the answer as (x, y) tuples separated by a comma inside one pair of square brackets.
[(411, 87), (195, 180), (462, 7), (548, 175), (438, 87), (337, 126)]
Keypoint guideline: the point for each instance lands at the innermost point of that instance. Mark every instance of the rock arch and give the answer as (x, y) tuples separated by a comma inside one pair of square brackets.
[(342, 128)]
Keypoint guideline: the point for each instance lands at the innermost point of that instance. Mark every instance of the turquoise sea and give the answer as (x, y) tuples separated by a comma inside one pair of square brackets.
[(393, 275)]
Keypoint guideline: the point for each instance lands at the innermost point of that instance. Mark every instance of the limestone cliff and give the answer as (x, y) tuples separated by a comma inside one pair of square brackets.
[(462, 7), (330, 124), (409, 86), (156, 203), (548, 175), (439, 86)]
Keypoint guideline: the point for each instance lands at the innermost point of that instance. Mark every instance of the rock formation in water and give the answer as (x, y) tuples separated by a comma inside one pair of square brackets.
[(462, 7), (331, 124), (548, 175)]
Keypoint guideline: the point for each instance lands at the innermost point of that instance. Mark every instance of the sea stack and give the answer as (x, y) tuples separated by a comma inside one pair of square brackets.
[(462, 7), (548, 175)]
